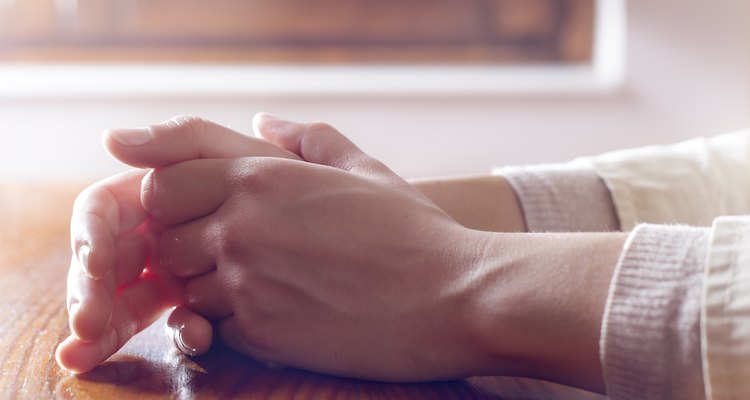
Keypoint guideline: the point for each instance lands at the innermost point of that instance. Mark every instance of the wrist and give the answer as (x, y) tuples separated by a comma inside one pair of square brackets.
[(537, 304), (484, 202)]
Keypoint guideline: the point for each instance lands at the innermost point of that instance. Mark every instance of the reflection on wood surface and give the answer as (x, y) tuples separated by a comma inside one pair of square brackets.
[(34, 257)]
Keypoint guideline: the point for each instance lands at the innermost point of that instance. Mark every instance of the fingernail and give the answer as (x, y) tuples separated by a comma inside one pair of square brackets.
[(268, 117), (131, 136), (148, 188), (269, 123), (83, 258)]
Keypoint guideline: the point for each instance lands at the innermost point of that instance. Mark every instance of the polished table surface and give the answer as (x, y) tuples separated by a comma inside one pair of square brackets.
[(34, 257)]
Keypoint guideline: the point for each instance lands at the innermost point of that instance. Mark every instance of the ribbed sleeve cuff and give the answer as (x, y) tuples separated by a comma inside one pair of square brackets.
[(562, 198), (726, 313), (650, 342)]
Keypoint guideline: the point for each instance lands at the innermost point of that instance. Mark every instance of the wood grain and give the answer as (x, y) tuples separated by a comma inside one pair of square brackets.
[(34, 257)]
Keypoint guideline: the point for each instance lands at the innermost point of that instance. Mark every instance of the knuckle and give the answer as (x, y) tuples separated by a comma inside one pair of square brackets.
[(90, 206), (255, 174), (223, 237), (369, 164), (318, 133), (82, 198), (186, 125), (320, 128), (314, 144), (83, 194), (92, 194), (232, 242), (187, 122)]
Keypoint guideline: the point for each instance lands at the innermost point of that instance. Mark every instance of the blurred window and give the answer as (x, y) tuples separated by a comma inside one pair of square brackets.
[(298, 31)]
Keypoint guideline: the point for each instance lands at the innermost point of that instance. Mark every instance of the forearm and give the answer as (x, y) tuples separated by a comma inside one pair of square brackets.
[(540, 302), (540, 298), (568, 197), (483, 202)]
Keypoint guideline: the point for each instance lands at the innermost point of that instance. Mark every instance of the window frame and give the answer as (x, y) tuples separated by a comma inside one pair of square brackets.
[(603, 75)]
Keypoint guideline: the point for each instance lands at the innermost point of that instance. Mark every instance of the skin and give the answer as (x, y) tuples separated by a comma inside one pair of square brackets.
[(473, 201), (315, 255), (105, 287), (109, 217)]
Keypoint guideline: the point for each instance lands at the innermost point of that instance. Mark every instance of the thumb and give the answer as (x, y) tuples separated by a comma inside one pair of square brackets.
[(315, 142), (184, 138)]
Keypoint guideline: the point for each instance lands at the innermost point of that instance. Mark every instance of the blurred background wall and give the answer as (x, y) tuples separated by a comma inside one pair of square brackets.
[(685, 72)]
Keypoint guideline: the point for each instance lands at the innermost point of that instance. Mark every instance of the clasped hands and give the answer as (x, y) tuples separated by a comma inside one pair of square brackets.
[(295, 248)]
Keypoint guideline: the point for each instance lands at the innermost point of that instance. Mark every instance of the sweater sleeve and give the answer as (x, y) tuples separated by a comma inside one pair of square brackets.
[(650, 341), (726, 310), (677, 319), (688, 183), (568, 197)]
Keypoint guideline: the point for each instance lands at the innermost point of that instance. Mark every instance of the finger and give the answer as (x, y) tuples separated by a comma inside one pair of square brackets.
[(186, 191), (205, 295), (100, 213), (135, 307), (89, 303), (132, 253), (315, 142), (186, 250), (189, 332), (184, 138), (230, 333)]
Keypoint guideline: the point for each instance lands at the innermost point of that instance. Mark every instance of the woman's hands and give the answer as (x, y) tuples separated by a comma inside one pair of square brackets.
[(333, 264), (110, 296), (305, 251), (337, 265)]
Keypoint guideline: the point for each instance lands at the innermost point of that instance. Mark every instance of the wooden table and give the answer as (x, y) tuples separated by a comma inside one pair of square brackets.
[(34, 257)]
